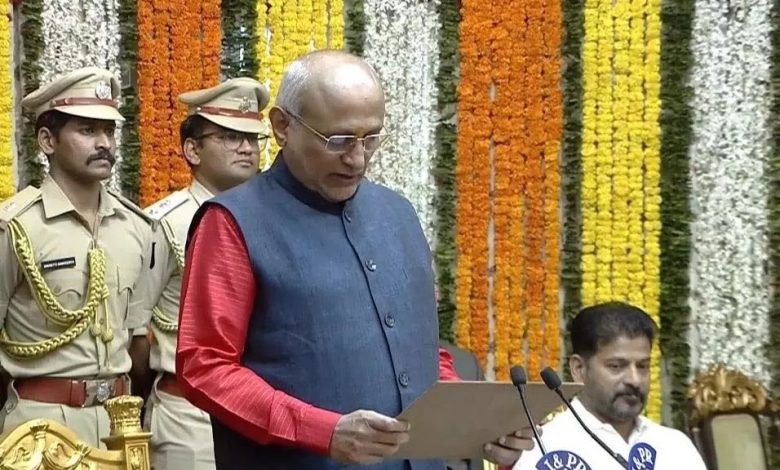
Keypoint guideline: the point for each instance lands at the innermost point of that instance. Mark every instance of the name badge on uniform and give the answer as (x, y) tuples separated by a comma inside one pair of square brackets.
[(61, 263), (641, 457), (562, 460)]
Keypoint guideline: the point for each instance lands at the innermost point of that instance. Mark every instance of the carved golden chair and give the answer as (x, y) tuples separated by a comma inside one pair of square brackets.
[(732, 420), (47, 445)]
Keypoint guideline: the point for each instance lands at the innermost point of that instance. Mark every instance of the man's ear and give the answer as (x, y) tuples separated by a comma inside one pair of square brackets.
[(280, 123), (46, 140), (190, 148), (577, 367)]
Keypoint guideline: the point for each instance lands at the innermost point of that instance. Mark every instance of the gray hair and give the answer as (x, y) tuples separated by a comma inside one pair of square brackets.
[(298, 74), (294, 81)]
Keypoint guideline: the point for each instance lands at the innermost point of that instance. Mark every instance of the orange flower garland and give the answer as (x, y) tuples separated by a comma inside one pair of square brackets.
[(171, 61), (534, 188), (473, 179), (153, 52), (503, 141), (186, 74), (552, 32), (517, 249), (541, 118), (524, 126)]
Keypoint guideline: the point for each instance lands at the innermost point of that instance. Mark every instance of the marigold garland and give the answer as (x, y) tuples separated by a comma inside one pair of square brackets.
[(261, 32), (170, 62), (287, 29), (502, 113), (534, 187), (473, 178), (621, 145), (336, 24), (552, 121), (153, 52), (6, 106), (185, 74), (516, 249), (521, 46), (589, 187), (319, 24), (604, 155), (623, 108)]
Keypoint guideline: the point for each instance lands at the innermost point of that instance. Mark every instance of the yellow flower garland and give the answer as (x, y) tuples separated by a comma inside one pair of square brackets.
[(621, 188), (336, 24), (635, 157), (294, 28), (621, 160), (604, 156), (319, 23), (589, 151), (261, 50), (6, 106)]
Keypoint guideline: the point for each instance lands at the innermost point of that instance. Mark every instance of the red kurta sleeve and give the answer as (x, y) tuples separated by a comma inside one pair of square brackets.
[(446, 367), (217, 297)]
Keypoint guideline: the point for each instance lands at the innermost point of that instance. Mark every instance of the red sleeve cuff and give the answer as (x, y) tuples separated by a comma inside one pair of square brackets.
[(317, 430)]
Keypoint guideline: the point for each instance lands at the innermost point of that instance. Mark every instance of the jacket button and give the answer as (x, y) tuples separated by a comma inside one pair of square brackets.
[(389, 320), (370, 265), (403, 379)]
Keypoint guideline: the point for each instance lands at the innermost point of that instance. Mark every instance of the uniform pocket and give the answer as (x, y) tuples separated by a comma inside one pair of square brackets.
[(68, 286), (129, 306)]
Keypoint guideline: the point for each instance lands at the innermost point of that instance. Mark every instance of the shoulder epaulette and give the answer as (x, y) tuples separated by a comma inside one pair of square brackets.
[(129, 205), (18, 203), (164, 206)]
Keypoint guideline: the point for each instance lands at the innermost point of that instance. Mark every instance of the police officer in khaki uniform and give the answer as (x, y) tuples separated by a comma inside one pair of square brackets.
[(71, 254), (221, 140)]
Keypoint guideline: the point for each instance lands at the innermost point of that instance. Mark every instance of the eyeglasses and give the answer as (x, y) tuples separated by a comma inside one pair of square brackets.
[(343, 143), (232, 140)]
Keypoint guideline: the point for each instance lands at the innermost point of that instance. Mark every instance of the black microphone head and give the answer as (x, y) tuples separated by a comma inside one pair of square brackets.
[(518, 376), (550, 378)]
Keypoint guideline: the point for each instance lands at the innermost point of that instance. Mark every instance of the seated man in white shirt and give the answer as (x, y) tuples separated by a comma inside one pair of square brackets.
[(611, 346)]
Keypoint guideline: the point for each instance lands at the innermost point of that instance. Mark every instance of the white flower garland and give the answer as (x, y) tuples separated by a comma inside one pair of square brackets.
[(402, 44), (80, 36), (730, 154)]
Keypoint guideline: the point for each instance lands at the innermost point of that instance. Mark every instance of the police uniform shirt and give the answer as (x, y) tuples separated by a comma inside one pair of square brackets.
[(173, 215), (60, 240), (650, 446)]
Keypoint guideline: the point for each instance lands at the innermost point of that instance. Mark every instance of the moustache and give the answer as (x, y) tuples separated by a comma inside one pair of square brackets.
[(632, 392), (101, 155)]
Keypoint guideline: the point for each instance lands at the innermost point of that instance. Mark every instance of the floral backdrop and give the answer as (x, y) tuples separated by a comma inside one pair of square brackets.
[(559, 153)]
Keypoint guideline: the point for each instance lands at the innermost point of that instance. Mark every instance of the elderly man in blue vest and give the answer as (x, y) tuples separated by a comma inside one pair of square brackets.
[(308, 316)]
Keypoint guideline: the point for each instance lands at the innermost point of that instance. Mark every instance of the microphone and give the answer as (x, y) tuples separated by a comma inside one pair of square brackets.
[(553, 382), (519, 380)]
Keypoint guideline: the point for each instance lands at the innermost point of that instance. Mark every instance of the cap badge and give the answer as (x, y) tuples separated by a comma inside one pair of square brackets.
[(103, 90), (245, 105)]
